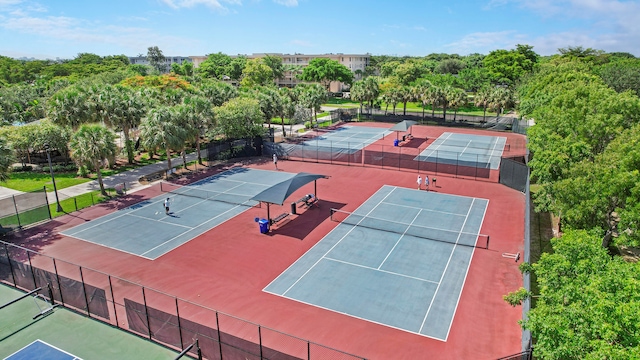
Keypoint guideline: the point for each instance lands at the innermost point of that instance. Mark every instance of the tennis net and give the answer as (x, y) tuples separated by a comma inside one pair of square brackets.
[(404, 229), (196, 192), (471, 144)]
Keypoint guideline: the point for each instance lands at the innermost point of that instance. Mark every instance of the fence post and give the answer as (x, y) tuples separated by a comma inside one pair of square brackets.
[(308, 350), (180, 326), (219, 339), (260, 340), (84, 290), (55, 268), (15, 206), (75, 202), (13, 276), (44, 188), (113, 298), (146, 312), (33, 275)]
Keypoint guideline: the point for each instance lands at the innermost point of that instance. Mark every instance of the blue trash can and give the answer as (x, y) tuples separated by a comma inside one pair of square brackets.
[(396, 142), (264, 226)]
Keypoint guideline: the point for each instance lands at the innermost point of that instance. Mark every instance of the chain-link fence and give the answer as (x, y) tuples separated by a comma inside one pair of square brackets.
[(149, 313), (415, 159), (23, 209)]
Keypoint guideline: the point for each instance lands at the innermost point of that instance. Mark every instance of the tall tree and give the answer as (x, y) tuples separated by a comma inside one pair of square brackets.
[(239, 118), (588, 303), (312, 96), (71, 107), (457, 98), (199, 118), (482, 98), (162, 130), (216, 66), (91, 145), (324, 71), (156, 59), (121, 108), (275, 64), (256, 73), (218, 92), (6, 159)]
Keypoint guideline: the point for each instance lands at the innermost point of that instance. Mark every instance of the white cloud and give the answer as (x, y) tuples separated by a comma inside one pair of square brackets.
[(213, 4), (289, 3), (484, 42), (9, 2), (86, 33)]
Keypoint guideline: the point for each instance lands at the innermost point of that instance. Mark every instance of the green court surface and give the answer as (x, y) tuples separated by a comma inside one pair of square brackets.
[(68, 331)]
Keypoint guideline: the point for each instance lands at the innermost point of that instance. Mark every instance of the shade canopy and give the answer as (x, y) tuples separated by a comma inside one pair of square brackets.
[(278, 193), (404, 125)]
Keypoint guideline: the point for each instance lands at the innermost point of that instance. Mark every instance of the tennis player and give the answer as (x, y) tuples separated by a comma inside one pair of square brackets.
[(166, 206)]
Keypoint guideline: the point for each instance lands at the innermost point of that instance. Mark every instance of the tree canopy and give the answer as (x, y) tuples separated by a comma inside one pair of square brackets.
[(324, 70)]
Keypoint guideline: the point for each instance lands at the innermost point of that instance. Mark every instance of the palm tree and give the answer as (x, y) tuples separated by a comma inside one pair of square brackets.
[(435, 96), (501, 98), (70, 107), (121, 108), (421, 92), (358, 93), (313, 96), (482, 98), (371, 91), (288, 108), (199, 119), (91, 145), (161, 129), (458, 98), (405, 95)]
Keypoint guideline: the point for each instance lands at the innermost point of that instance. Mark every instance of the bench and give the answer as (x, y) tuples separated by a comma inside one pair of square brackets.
[(279, 218), (308, 200)]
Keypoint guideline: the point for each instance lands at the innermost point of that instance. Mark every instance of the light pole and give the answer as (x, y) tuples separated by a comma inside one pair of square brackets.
[(55, 190)]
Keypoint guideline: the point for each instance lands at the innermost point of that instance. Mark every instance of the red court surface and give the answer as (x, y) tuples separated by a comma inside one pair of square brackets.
[(227, 268)]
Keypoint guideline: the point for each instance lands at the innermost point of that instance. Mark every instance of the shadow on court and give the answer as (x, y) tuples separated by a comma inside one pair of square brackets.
[(307, 220)]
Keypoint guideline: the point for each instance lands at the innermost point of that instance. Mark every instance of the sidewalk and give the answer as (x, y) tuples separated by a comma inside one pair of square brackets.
[(128, 178)]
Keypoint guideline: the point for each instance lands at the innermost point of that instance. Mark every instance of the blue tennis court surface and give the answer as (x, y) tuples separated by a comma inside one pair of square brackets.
[(465, 150), (348, 137), (40, 350), (145, 230), (390, 275)]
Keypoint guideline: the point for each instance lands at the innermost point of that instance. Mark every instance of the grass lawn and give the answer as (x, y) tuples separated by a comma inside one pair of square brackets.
[(32, 181), (79, 202)]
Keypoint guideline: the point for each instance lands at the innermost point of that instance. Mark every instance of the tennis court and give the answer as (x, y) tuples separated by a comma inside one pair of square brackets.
[(64, 334), (401, 260), (476, 151), (146, 231), (348, 138)]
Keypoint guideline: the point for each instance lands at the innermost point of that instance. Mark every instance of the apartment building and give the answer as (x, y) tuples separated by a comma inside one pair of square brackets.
[(354, 62)]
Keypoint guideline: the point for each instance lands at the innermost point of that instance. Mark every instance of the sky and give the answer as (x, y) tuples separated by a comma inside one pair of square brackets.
[(64, 28)]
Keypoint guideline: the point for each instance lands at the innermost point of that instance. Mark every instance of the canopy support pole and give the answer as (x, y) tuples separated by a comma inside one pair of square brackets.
[(268, 213)]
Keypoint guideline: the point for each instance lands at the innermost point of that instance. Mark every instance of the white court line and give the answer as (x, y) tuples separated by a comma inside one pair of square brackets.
[(430, 210), (398, 241), (158, 220), (437, 146), (110, 247), (334, 245), (380, 270), (175, 237), (318, 243), (466, 147), (445, 271)]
